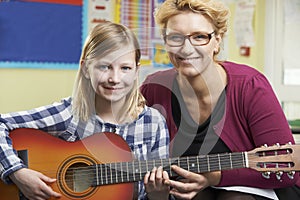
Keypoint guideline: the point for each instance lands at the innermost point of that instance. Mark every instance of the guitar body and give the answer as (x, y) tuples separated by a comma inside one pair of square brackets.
[(57, 158)]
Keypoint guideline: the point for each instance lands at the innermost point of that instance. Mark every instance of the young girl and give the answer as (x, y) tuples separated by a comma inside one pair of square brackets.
[(105, 99)]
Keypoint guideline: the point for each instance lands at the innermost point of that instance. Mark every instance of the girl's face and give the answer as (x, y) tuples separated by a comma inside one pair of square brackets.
[(188, 59), (112, 76)]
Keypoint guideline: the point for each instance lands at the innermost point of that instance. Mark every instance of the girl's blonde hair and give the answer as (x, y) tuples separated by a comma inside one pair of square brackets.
[(216, 12), (104, 39)]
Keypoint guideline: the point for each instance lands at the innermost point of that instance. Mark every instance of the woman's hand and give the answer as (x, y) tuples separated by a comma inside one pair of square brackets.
[(192, 183), (154, 184), (33, 184)]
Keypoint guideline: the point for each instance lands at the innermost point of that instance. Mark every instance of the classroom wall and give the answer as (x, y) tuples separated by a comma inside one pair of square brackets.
[(256, 58), (22, 89)]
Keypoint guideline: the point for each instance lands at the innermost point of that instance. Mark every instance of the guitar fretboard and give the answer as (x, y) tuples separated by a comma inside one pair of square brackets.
[(121, 172)]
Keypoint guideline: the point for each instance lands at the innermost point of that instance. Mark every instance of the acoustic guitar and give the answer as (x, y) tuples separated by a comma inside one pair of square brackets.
[(102, 166)]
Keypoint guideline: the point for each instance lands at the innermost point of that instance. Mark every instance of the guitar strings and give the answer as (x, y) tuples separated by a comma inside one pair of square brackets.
[(215, 162)]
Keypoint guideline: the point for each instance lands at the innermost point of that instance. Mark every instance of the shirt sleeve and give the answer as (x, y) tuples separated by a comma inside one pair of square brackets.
[(52, 119)]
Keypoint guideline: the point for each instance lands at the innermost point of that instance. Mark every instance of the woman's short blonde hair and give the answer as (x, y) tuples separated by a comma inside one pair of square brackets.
[(216, 12), (104, 39)]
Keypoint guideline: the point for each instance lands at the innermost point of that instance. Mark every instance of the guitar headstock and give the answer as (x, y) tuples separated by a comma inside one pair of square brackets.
[(276, 158)]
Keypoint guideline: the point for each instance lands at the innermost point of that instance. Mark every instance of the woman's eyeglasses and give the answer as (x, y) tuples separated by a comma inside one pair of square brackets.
[(196, 39)]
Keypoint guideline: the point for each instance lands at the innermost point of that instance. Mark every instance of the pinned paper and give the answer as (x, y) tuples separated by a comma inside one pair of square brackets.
[(243, 23)]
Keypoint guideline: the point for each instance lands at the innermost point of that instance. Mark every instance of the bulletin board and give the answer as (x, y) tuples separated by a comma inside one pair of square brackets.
[(50, 33), (41, 33)]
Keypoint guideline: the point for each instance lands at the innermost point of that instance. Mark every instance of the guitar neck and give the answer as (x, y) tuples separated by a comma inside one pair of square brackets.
[(120, 172)]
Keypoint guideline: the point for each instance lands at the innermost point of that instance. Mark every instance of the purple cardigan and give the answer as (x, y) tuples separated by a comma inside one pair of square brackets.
[(253, 117)]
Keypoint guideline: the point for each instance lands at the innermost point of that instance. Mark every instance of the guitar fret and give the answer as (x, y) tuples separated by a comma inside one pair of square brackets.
[(198, 164), (147, 166), (152, 164), (234, 159), (112, 172), (111, 176), (226, 162), (237, 157), (127, 171), (101, 166), (247, 161), (97, 175), (121, 169), (230, 161), (140, 170), (106, 174), (133, 171), (208, 165), (192, 164), (215, 164), (170, 164), (100, 171), (219, 161), (203, 164), (244, 159), (116, 171), (137, 171), (143, 169), (164, 164)]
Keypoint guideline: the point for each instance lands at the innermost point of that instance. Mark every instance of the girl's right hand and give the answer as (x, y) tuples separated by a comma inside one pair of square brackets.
[(34, 185), (154, 184)]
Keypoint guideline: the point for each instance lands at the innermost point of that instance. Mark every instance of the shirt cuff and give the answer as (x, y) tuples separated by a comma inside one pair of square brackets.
[(5, 175)]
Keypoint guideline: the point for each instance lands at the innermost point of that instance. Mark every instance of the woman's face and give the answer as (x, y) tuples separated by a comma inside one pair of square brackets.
[(188, 59), (113, 76)]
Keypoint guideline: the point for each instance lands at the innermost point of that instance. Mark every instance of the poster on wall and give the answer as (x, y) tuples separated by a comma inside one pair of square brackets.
[(99, 11), (136, 15), (159, 57), (243, 24), (41, 33)]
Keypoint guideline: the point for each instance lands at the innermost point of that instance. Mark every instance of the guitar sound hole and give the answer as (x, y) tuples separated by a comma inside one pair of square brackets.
[(78, 177)]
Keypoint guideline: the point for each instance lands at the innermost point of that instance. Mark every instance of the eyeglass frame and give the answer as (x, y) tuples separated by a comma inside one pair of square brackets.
[(188, 36)]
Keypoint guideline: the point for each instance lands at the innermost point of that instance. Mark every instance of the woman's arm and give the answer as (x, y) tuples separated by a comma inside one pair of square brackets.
[(266, 124)]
